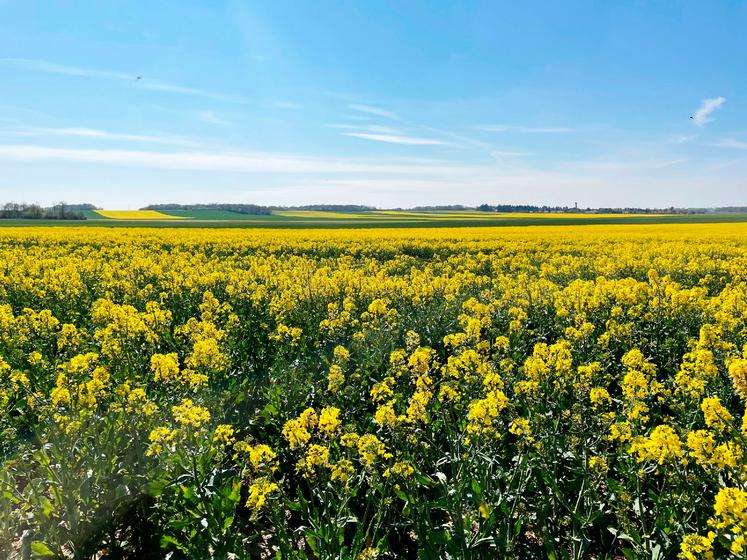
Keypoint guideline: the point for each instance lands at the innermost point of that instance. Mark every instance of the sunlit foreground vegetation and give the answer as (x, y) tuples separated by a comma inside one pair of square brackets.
[(549, 392)]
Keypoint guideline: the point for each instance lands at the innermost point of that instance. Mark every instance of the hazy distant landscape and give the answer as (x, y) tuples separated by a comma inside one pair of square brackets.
[(315, 216)]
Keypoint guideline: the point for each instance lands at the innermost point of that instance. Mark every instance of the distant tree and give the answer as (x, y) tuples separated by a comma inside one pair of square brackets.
[(255, 209), (437, 208), (731, 209), (59, 211), (331, 208), (34, 212), (81, 207)]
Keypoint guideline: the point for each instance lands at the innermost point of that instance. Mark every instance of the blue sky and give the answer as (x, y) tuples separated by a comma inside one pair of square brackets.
[(373, 102)]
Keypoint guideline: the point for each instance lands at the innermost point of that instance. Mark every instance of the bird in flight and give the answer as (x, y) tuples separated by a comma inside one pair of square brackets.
[(140, 78)]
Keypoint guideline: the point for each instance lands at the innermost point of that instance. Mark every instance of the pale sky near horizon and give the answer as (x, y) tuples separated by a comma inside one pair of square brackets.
[(371, 102)]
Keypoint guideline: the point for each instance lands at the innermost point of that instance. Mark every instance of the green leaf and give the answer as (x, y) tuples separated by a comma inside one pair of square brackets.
[(293, 506), (400, 494), (157, 487), (517, 528), (47, 508), (188, 492), (41, 550), (167, 540), (235, 494), (476, 489), (439, 536), (313, 545)]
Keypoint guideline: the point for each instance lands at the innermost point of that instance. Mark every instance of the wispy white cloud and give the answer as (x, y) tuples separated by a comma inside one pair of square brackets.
[(524, 129), (416, 134), (387, 134), (170, 88), (249, 162), (664, 163), (703, 115), (144, 83), (372, 110), (379, 129), (52, 68), (413, 133), (282, 178), (615, 165), (499, 154), (285, 105), (683, 138), (100, 135), (731, 143), (211, 117), (395, 139), (717, 166)]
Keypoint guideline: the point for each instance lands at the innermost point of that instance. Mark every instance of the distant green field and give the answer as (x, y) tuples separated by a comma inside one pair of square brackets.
[(91, 215), (225, 215), (378, 219), (213, 215)]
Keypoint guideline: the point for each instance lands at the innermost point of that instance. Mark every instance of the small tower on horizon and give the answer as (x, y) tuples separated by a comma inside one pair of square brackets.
[(575, 205)]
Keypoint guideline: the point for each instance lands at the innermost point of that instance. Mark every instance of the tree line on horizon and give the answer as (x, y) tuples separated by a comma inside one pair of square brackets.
[(532, 209), (65, 211), (58, 211), (255, 209)]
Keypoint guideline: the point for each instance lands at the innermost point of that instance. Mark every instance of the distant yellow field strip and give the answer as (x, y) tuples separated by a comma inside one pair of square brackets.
[(327, 215), (396, 214), (435, 213), (137, 215), (469, 215), (446, 215), (569, 216), (382, 215)]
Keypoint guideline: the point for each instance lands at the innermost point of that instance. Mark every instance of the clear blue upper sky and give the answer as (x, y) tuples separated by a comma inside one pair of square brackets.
[(373, 102)]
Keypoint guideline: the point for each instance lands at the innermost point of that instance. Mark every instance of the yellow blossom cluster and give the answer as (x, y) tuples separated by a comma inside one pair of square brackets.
[(353, 383)]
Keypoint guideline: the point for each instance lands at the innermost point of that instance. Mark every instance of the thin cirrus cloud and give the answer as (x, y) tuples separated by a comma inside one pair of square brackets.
[(498, 154), (683, 138), (425, 133), (702, 116), (386, 134), (731, 143), (372, 110), (285, 105), (618, 165), (211, 117), (246, 162), (367, 128), (144, 83), (100, 135), (396, 139), (524, 129)]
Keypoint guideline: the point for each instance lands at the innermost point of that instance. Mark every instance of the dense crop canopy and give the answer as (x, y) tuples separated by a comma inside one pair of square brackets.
[(564, 392)]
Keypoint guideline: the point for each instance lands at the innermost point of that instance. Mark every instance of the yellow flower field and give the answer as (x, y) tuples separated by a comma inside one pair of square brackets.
[(538, 392), (137, 215)]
